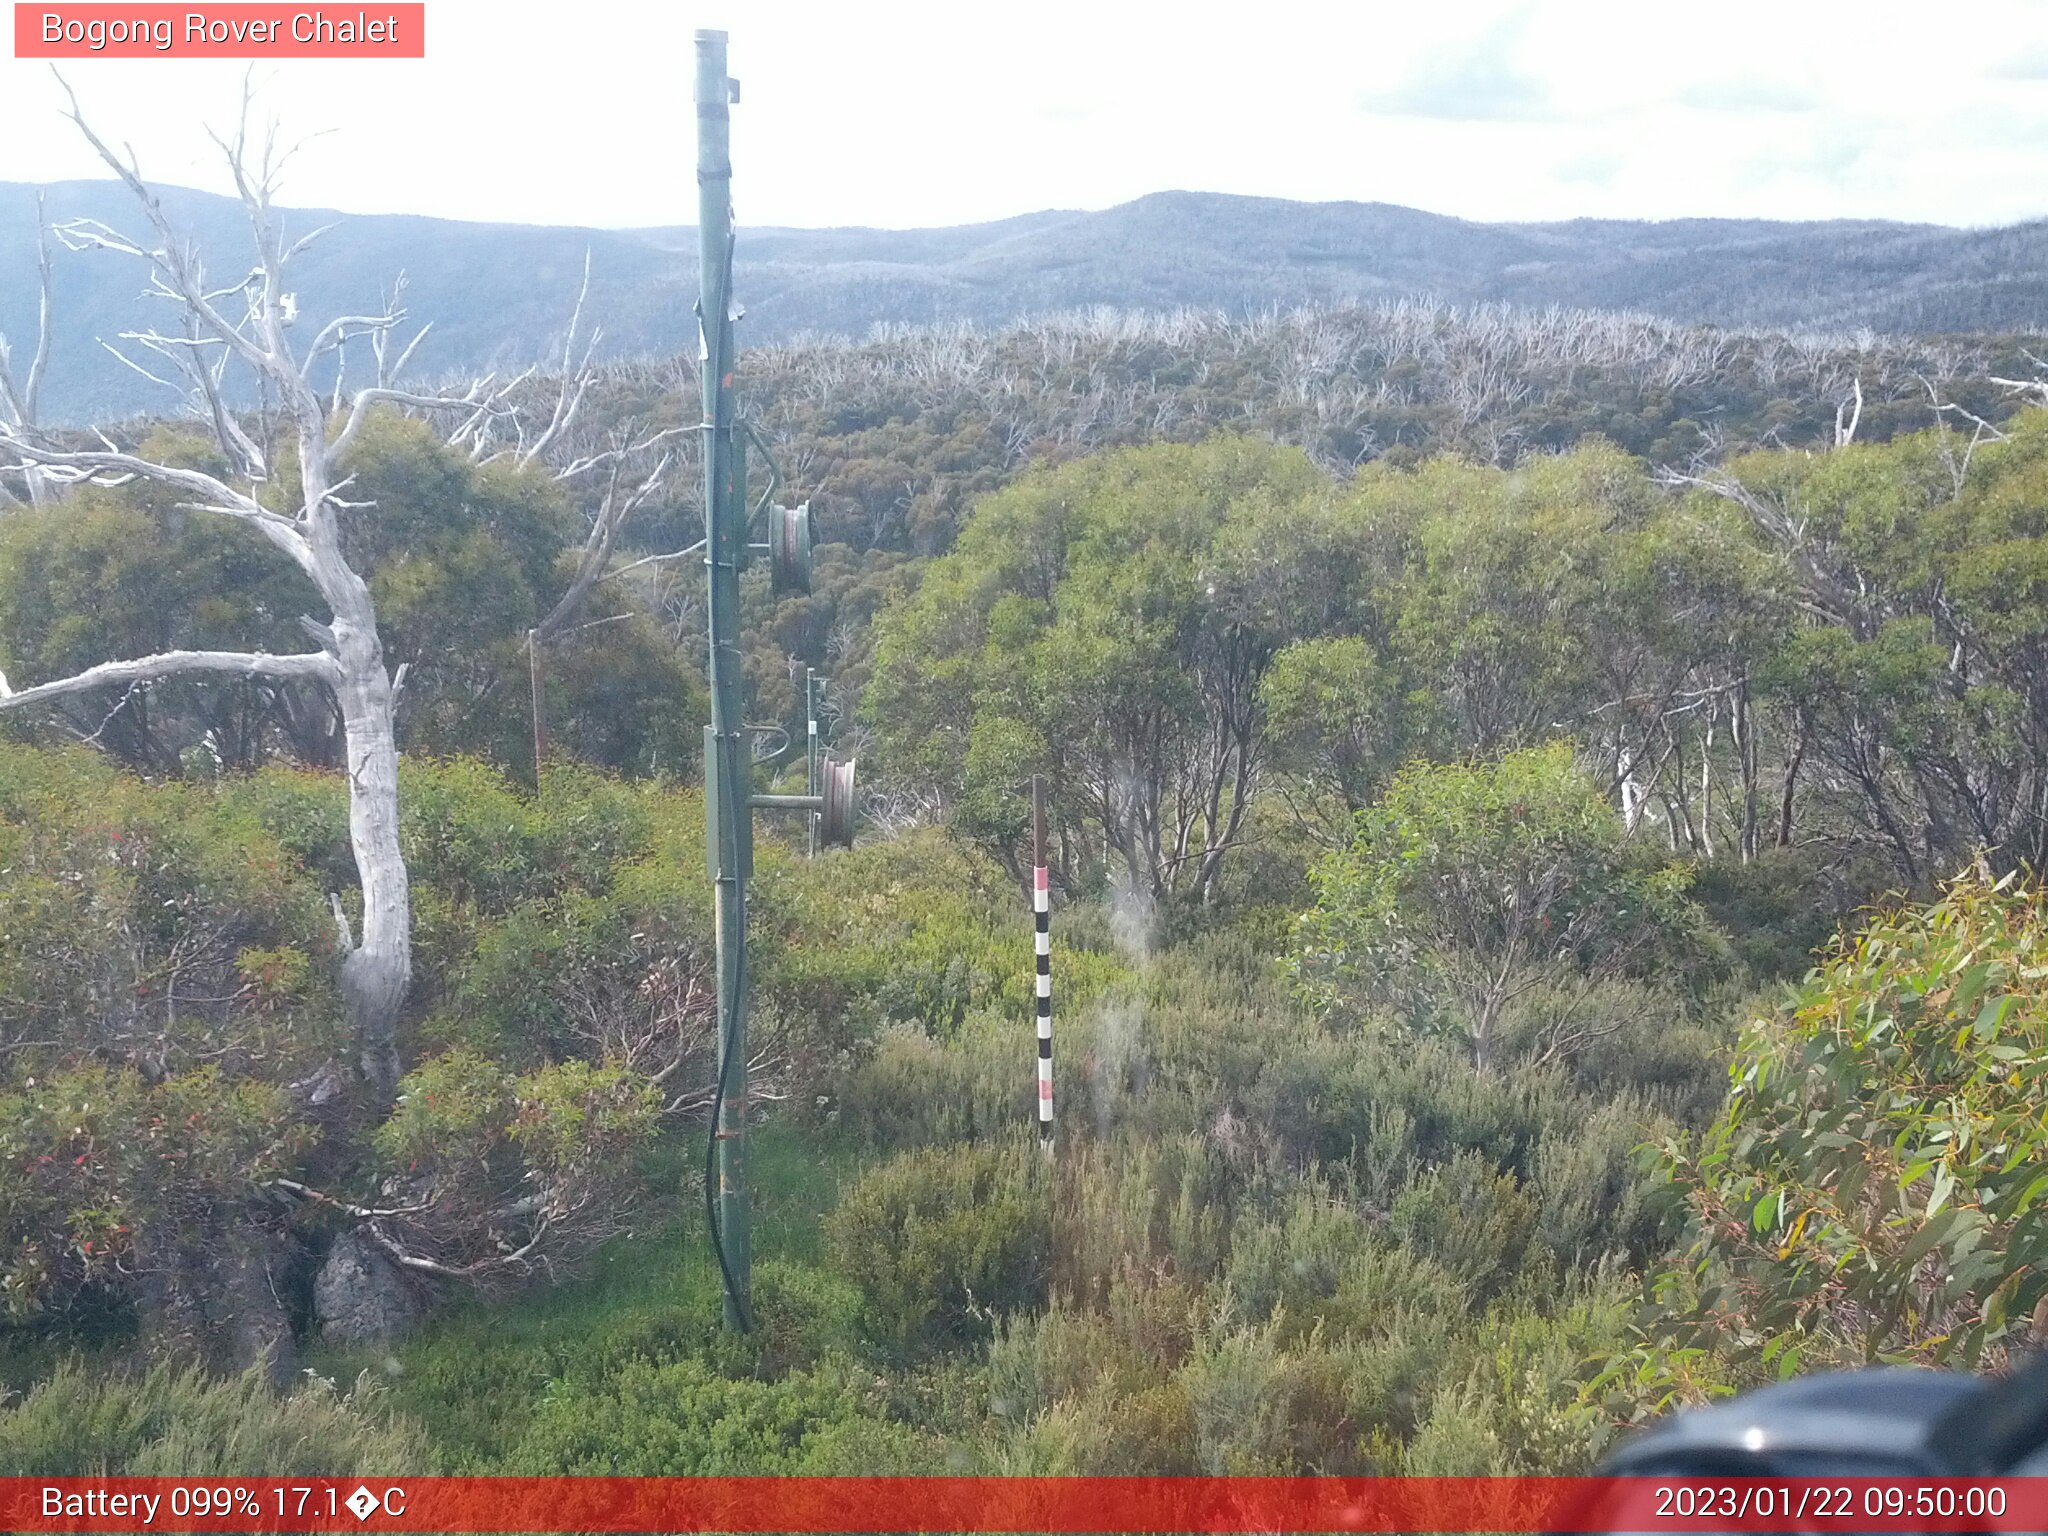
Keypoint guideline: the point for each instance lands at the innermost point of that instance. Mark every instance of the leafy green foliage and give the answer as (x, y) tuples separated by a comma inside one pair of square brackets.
[(914, 930), (163, 979), (941, 1241), (1924, 555), (177, 1422), (1470, 886), (471, 1142), (461, 560), (1872, 1189), (105, 1174), (128, 914), (682, 1420), (1536, 730), (1337, 719), (1100, 623), (116, 573)]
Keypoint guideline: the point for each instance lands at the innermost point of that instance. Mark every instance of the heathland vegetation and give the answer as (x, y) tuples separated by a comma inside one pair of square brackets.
[(1545, 811), (492, 288)]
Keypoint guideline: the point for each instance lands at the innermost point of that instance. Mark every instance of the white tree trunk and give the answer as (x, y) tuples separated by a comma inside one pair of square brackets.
[(376, 969), (377, 972)]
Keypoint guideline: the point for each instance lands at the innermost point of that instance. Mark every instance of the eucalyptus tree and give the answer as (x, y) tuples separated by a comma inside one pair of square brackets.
[(1108, 623), (1470, 887), (1919, 684)]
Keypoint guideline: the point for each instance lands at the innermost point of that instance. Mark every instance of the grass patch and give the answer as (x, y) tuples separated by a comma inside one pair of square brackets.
[(478, 1373)]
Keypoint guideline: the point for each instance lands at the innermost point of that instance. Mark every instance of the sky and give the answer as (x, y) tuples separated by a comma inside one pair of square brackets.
[(899, 113)]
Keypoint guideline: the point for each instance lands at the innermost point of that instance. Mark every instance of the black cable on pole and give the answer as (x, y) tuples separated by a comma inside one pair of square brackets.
[(713, 331), (732, 1290)]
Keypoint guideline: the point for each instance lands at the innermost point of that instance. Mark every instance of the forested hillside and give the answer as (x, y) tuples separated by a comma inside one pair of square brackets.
[(496, 292), (1545, 810)]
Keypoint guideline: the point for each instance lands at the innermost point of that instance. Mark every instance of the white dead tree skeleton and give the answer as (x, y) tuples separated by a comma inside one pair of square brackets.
[(246, 323), (629, 485), (20, 394)]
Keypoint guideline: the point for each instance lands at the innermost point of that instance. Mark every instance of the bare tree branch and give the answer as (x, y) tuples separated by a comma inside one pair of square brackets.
[(148, 669), (247, 322), (176, 262), (360, 1212), (2037, 389), (614, 512), (576, 377), (376, 968), (340, 329), (21, 398), (218, 496), (475, 402)]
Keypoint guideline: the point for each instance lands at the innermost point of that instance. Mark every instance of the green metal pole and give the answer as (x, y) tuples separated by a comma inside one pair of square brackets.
[(728, 765)]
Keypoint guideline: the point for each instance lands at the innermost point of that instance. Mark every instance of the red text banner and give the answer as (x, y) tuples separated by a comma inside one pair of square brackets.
[(225, 31), (1020, 1504)]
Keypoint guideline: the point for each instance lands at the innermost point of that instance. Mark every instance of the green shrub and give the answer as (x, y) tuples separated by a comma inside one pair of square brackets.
[(1237, 1385), (1872, 1190), (914, 1090), (1389, 1108), (940, 1241), (1457, 1439), (172, 1422), (803, 1316), (104, 1176), (1471, 1217), (1674, 1062), (1037, 1361), (1164, 1206), (470, 833), (472, 1141), (1782, 908), (1072, 1392), (1468, 884), (1290, 1264), (1395, 1322), (125, 910), (1146, 1433), (1265, 1409), (306, 810), (919, 930), (681, 1419), (1531, 1368), (1595, 1200)]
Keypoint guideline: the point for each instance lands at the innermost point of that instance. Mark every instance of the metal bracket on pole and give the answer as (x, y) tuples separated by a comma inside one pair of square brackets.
[(832, 806)]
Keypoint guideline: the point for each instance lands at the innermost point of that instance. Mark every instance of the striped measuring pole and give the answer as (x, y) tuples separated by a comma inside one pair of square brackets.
[(1041, 912)]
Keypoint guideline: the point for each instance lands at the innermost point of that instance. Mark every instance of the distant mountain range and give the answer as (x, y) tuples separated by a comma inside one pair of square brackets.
[(499, 294)]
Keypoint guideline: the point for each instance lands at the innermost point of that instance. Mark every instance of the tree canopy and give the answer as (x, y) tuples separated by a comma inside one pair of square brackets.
[(1873, 1189), (1470, 888)]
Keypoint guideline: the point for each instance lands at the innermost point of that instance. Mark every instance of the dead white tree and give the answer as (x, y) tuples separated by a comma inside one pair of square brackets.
[(20, 396), (633, 472), (1848, 413), (247, 322)]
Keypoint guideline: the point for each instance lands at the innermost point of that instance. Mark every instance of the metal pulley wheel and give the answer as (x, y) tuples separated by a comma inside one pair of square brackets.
[(835, 820), (789, 542)]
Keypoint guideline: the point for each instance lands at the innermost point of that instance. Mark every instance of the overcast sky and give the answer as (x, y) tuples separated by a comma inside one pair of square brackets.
[(894, 113)]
